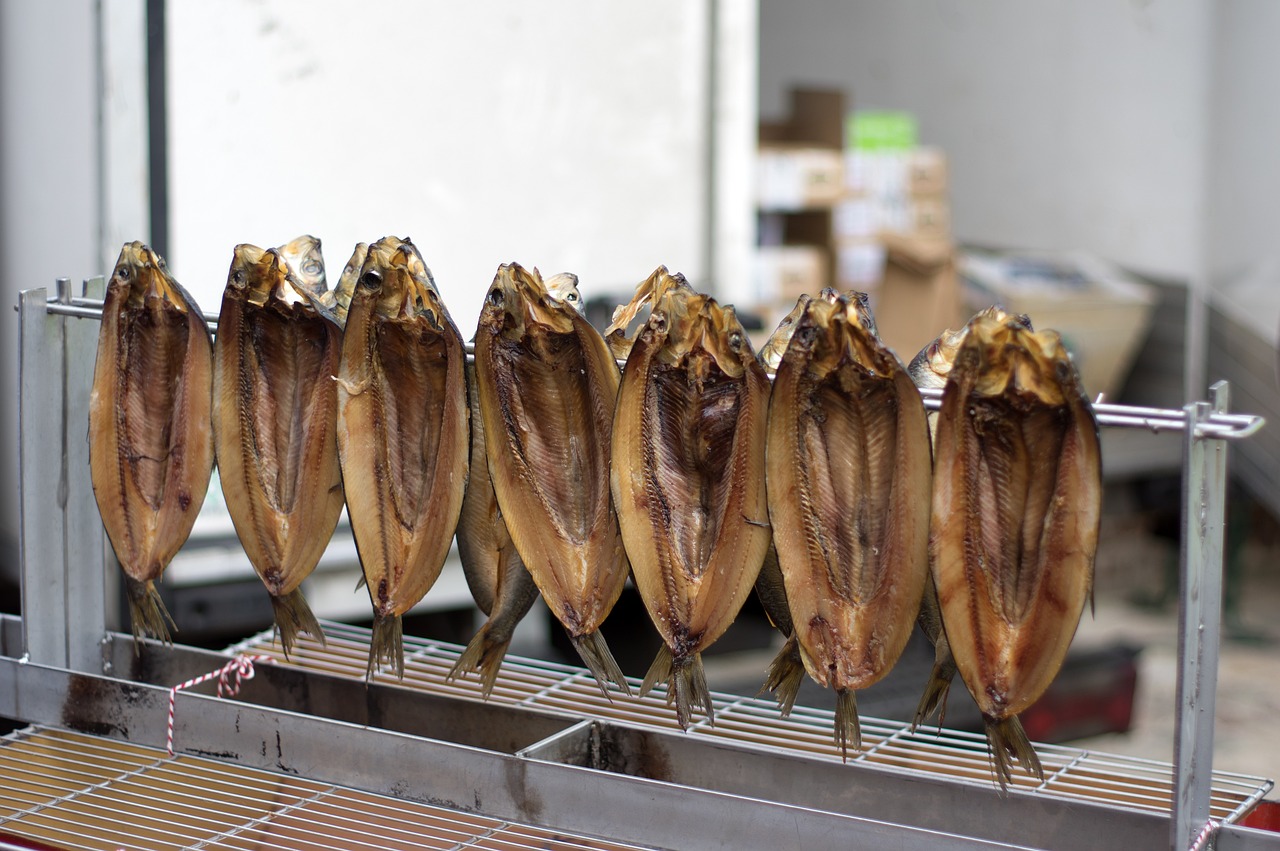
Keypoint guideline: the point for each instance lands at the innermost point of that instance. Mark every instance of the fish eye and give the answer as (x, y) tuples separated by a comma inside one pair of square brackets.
[(237, 277), (571, 297), (371, 280), (495, 297), (311, 268), (735, 340), (124, 273)]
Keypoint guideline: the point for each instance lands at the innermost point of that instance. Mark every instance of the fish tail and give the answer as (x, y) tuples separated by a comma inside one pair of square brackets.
[(935, 694), (386, 645), (484, 653), (786, 673), (293, 615), (847, 729), (686, 685), (1009, 744), (147, 613), (594, 651)]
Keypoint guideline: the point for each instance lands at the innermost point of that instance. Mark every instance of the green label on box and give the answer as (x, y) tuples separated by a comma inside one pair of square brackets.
[(881, 130)]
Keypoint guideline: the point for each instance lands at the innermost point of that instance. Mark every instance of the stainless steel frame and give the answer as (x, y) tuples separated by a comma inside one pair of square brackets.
[(59, 666)]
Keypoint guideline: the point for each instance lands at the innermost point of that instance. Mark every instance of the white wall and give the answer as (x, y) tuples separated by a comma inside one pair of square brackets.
[(49, 222), (1069, 124), (571, 136)]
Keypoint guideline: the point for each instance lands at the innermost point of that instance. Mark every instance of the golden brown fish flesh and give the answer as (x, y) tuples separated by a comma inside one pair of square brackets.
[(1016, 506), (499, 582), (688, 480), (150, 437), (402, 435), (929, 370), (849, 487), (547, 385), (274, 427)]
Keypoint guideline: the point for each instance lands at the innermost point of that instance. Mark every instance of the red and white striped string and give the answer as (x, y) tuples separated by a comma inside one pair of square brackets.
[(229, 677), (1202, 838)]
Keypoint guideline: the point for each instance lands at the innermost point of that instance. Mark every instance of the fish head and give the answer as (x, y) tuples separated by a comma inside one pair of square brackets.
[(395, 281), (303, 256), (143, 274), (698, 333), (931, 366), (861, 304), (1011, 358), (563, 286), (518, 304), (648, 293), (828, 333), (773, 349)]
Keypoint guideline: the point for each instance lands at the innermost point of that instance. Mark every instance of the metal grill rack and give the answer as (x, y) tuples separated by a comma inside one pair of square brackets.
[(548, 751), (86, 792)]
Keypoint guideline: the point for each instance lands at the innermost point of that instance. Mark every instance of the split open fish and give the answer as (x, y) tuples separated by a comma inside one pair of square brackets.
[(150, 433), (1016, 507), (274, 427), (688, 479), (849, 471), (547, 384), (402, 435)]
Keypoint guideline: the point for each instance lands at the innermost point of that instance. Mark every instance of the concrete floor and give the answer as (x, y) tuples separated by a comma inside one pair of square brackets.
[(1133, 565)]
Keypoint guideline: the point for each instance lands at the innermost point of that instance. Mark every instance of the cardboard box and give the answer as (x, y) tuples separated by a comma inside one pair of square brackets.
[(927, 171), (1101, 313), (859, 264), (929, 216), (784, 272), (816, 117), (798, 178), (919, 296)]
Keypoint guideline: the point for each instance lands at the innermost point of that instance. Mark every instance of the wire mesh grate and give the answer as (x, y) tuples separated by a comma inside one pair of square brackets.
[(75, 791), (1070, 773)]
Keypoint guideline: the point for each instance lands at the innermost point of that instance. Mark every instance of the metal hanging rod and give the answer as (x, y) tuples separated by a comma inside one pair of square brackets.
[(1217, 425)]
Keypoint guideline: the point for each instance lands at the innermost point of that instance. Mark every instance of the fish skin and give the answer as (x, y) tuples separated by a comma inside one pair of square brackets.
[(274, 427), (849, 471), (929, 370), (150, 432), (402, 431), (499, 582), (547, 384), (347, 282), (648, 293), (688, 483), (1016, 509)]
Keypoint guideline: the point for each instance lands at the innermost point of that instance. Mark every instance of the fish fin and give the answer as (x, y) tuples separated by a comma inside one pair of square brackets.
[(935, 694), (594, 651), (786, 673), (361, 582), (293, 615), (659, 671), (484, 654), (386, 646), (847, 726), (686, 685), (147, 613), (1009, 743)]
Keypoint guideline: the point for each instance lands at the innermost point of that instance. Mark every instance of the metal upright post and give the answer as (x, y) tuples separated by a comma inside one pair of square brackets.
[(1204, 499), (42, 478), (63, 585), (84, 538)]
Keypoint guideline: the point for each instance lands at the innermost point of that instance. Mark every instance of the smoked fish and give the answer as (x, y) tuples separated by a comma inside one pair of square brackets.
[(547, 385), (1016, 507), (688, 479), (274, 427), (150, 432), (402, 435), (849, 470)]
